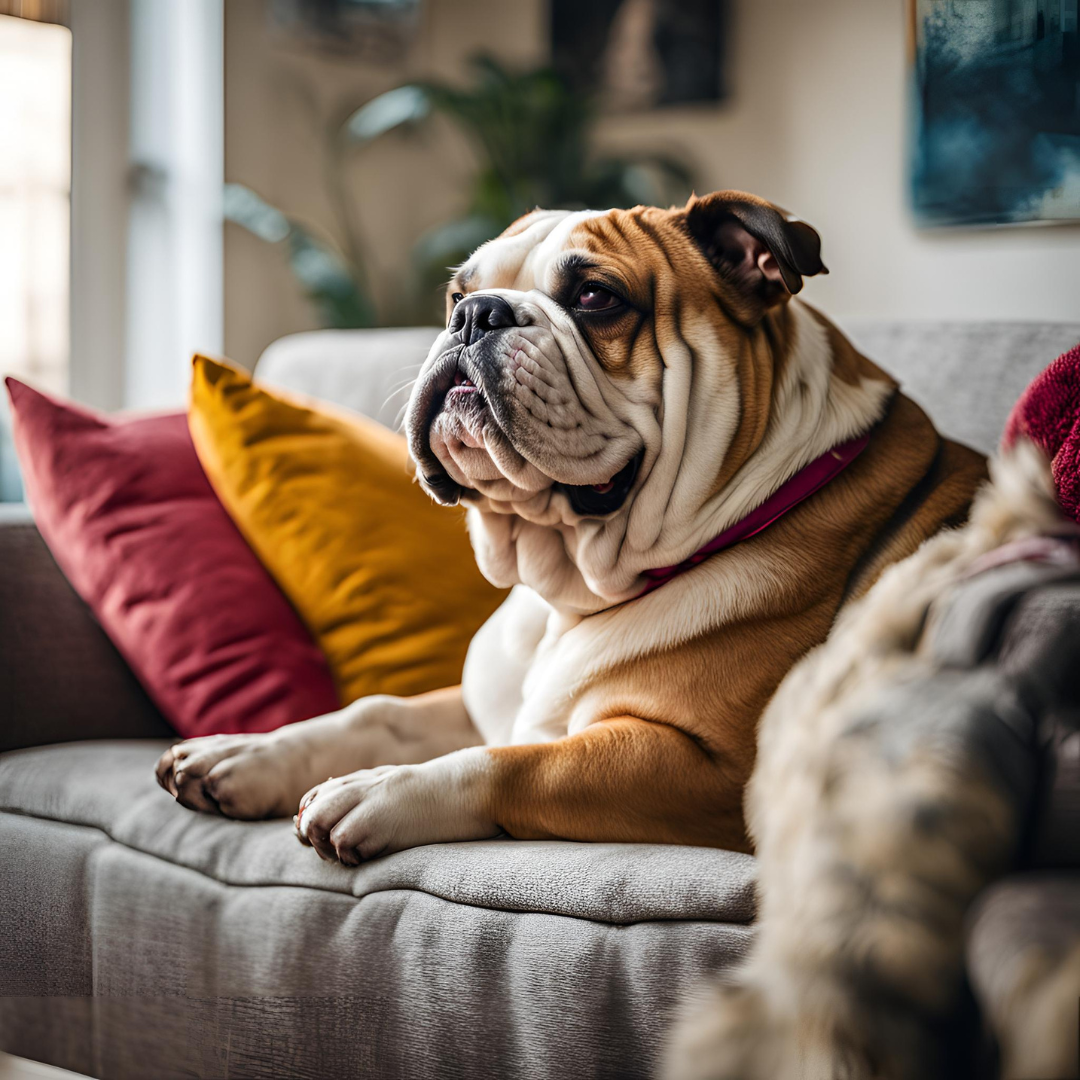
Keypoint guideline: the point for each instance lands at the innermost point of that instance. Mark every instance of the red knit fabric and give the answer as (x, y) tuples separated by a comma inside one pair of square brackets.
[(1048, 413)]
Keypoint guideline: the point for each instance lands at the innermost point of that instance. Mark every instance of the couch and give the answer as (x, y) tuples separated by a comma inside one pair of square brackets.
[(139, 939)]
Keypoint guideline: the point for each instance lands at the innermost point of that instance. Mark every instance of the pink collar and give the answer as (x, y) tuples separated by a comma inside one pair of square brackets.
[(792, 492)]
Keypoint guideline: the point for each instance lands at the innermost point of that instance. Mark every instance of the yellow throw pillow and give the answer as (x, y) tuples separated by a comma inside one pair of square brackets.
[(383, 577)]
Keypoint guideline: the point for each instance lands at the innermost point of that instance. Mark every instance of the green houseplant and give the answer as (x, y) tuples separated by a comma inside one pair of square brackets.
[(532, 135)]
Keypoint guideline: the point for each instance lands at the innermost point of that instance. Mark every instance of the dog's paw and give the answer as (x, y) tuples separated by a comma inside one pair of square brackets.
[(241, 776), (374, 812)]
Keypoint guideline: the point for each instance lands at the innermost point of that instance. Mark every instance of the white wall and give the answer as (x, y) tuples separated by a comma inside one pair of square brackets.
[(816, 122)]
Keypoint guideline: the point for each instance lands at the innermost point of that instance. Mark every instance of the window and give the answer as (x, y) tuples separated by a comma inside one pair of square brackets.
[(35, 182)]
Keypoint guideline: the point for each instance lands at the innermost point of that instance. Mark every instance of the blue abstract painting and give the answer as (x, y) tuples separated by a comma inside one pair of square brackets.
[(996, 111)]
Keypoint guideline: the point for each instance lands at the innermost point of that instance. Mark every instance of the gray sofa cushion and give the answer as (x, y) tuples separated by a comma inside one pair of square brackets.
[(201, 937), (110, 786)]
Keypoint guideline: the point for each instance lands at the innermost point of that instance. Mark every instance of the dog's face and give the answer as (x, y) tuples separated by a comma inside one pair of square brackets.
[(586, 355)]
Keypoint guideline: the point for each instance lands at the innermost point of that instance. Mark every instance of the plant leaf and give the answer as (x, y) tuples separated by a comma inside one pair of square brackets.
[(447, 245), (323, 274), (242, 205), (327, 281), (405, 105)]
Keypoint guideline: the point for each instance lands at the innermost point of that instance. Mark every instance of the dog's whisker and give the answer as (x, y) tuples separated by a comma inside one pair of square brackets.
[(404, 388)]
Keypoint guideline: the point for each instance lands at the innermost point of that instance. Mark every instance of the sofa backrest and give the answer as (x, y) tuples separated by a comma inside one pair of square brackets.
[(369, 371), (966, 375)]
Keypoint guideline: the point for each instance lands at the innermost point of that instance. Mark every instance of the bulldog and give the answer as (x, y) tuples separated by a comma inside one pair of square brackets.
[(684, 472)]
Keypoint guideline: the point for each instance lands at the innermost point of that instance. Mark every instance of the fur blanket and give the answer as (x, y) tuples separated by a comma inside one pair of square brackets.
[(897, 776)]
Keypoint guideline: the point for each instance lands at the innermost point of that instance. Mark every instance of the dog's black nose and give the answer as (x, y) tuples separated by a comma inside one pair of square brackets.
[(476, 315)]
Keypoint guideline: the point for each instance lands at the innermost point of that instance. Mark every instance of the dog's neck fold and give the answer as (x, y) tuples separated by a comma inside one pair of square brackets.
[(818, 400)]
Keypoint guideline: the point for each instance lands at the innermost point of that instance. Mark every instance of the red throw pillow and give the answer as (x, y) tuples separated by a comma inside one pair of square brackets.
[(133, 522)]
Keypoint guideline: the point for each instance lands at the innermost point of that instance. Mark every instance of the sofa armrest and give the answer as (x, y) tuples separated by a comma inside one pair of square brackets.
[(61, 678)]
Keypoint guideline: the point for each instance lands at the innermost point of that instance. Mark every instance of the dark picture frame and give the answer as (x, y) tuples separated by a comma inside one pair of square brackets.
[(995, 111), (635, 55)]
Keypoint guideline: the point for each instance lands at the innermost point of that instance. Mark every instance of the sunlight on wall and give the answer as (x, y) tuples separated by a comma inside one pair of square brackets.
[(35, 183)]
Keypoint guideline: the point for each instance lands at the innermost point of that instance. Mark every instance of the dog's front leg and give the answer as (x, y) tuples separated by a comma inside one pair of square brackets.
[(622, 779), (265, 775)]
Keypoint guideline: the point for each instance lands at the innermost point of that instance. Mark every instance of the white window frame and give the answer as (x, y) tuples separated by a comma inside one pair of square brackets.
[(147, 172)]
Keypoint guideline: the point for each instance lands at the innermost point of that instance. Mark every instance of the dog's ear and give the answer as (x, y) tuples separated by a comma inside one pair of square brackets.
[(760, 248)]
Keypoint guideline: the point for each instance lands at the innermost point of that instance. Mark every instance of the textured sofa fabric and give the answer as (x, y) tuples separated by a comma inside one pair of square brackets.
[(965, 375), (487, 959)]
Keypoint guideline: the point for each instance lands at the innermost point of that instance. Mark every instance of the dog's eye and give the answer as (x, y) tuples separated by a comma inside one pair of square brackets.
[(456, 298), (595, 297)]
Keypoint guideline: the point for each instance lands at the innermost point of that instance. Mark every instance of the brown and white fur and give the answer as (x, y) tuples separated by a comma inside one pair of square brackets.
[(859, 948), (614, 389)]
